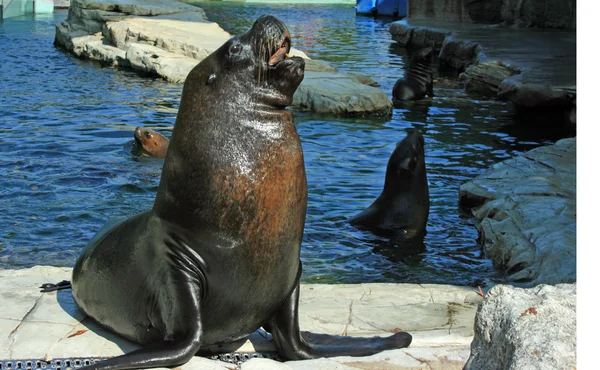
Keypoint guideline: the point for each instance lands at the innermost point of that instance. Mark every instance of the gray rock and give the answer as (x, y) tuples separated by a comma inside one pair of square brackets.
[(540, 13), (526, 209), (485, 78), (532, 96), (417, 37), (340, 94), (460, 54), (484, 11), (525, 329)]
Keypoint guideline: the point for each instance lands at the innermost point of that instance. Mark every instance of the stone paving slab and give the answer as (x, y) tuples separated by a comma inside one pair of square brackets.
[(36, 325)]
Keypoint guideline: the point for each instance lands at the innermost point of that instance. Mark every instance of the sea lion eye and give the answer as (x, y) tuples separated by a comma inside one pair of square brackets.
[(211, 79), (148, 135), (235, 48)]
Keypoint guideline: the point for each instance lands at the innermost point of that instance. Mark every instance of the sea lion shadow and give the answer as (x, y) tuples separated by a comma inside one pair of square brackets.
[(99, 335), (259, 341)]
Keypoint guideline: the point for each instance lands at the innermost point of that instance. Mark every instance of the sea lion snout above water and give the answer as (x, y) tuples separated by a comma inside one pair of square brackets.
[(218, 255), (153, 143), (418, 78), (402, 208)]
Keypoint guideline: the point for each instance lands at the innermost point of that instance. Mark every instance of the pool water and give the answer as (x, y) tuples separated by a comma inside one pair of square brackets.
[(69, 165)]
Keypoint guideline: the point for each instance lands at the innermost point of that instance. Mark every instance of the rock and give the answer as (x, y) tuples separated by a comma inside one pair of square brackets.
[(532, 96), (541, 105), (485, 78), (527, 214), (417, 37), (525, 329), (440, 318), (540, 13), (338, 93), (460, 54), (484, 11)]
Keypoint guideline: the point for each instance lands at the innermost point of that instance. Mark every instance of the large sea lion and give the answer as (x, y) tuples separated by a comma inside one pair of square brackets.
[(218, 255), (402, 209), (153, 143), (418, 78)]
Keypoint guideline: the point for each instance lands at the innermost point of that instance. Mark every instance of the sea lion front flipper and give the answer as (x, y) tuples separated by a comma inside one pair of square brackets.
[(179, 346), (293, 345)]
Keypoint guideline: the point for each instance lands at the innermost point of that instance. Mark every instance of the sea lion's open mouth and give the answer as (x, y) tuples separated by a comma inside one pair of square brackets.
[(282, 53)]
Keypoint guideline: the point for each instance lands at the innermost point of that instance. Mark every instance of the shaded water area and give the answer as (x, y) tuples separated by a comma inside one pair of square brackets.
[(68, 162)]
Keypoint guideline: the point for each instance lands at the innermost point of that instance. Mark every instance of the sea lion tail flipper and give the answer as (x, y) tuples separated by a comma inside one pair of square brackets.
[(185, 336), (50, 287), (293, 345)]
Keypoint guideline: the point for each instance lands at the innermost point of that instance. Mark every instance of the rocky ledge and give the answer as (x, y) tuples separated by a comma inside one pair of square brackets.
[(36, 325), (488, 77), (167, 39), (526, 207)]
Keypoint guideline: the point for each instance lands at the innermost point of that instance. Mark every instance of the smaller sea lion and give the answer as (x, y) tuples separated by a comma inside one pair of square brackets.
[(418, 79), (402, 209), (153, 143)]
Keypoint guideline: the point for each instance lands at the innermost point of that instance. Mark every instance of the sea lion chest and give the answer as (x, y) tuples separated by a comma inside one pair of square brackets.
[(241, 199)]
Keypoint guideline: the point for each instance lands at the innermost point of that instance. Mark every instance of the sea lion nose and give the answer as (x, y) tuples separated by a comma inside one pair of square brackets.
[(138, 132)]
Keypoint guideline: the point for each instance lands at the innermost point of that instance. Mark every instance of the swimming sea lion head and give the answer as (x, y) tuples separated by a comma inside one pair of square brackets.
[(151, 142), (406, 162)]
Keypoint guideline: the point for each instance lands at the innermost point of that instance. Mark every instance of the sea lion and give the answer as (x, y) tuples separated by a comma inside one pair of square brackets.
[(418, 79), (402, 209), (153, 143), (218, 255)]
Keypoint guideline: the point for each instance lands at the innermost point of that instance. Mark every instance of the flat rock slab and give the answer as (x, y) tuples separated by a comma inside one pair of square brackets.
[(532, 329), (526, 208), (171, 38), (36, 325)]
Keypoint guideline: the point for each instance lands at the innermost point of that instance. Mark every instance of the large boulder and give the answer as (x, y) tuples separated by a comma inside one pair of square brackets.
[(533, 329), (485, 78), (338, 93), (526, 208)]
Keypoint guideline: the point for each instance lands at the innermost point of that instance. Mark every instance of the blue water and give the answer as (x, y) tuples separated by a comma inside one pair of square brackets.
[(68, 162)]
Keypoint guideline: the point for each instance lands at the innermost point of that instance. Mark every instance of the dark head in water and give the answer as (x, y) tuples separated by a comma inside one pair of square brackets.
[(402, 209), (418, 79)]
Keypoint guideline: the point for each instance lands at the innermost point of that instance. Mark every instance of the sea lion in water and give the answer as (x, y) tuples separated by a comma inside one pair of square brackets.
[(153, 143), (218, 255), (418, 79), (402, 208)]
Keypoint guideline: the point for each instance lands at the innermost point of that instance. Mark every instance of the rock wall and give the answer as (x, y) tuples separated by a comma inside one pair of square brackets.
[(527, 211), (522, 13)]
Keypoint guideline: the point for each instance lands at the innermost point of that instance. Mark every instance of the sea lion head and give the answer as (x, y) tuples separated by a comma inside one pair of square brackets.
[(153, 143), (407, 163), (250, 69)]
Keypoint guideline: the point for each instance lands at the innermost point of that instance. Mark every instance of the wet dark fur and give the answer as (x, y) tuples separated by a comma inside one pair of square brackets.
[(402, 209), (418, 79)]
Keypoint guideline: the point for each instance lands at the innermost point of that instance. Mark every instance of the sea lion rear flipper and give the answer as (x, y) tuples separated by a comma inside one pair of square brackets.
[(293, 345), (49, 287), (181, 345)]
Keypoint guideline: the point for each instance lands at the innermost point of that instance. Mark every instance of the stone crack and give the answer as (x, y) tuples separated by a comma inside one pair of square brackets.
[(12, 336)]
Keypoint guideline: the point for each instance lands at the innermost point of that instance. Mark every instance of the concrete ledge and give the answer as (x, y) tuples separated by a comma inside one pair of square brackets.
[(440, 318)]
